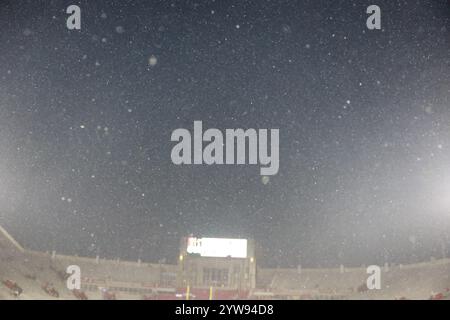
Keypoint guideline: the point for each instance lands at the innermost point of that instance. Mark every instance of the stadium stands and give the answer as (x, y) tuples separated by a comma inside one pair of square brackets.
[(415, 281), (27, 274)]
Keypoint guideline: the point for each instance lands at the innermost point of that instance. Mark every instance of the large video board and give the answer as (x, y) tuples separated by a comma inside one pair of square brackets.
[(217, 247)]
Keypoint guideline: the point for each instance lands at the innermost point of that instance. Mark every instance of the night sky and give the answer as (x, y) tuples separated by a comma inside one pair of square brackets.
[(364, 117)]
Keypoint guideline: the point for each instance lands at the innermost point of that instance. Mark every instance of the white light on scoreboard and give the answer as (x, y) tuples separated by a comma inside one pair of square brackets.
[(217, 247)]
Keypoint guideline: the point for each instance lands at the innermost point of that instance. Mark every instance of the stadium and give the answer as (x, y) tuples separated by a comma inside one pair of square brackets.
[(207, 269), (225, 150)]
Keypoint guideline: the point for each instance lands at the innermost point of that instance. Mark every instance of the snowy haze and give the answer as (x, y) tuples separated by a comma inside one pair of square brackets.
[(364, 118)]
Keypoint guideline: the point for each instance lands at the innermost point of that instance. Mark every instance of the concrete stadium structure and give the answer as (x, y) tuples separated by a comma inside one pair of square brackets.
[(26, 274)]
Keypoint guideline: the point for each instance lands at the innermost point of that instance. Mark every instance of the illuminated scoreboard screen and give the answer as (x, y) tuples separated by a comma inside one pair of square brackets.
[(217, 247)]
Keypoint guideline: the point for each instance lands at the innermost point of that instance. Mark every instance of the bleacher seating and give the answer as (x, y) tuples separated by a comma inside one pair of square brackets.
[(27, 274)]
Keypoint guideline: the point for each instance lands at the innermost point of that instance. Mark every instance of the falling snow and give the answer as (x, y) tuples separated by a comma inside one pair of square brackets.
[(86, 119)]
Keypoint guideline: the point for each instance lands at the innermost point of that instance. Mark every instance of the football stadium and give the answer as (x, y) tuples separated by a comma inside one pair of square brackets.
[(208, 269), (269, 152)]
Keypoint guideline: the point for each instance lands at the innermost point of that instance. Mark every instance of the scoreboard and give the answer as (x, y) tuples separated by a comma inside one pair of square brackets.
[(217, 247)]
